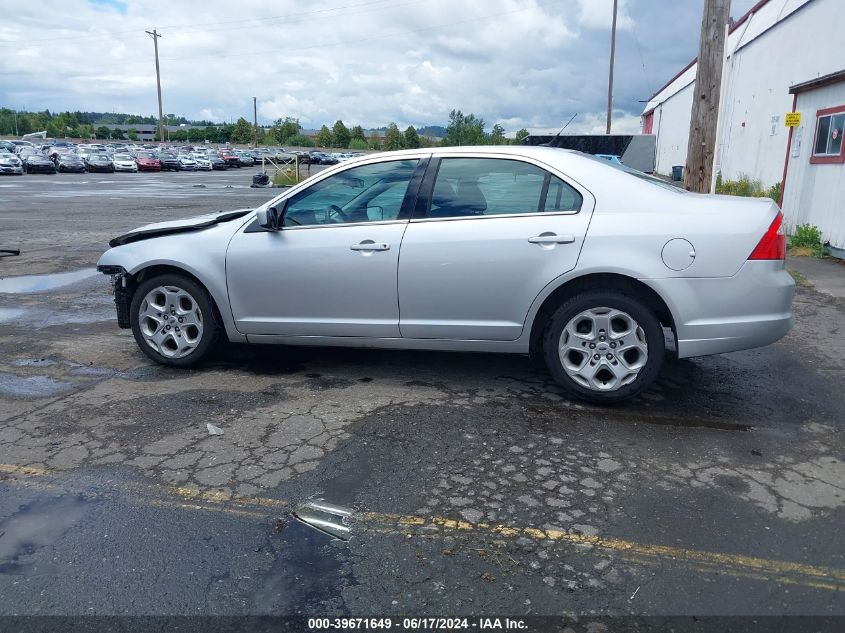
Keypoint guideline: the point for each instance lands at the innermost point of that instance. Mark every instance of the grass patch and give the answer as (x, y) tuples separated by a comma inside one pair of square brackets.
[(800, 251), (800, 279), (285, 178), (747, 187), (806, 241)]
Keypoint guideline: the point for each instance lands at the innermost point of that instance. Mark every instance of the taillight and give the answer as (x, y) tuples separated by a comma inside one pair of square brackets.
[(773, 243)]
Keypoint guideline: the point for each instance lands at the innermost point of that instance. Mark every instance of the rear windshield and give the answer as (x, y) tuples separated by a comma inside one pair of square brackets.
[(637, 174)]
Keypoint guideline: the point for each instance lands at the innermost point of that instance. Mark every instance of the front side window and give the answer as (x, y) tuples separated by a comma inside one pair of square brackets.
[(370, 193), (467, 187), (827, 144)]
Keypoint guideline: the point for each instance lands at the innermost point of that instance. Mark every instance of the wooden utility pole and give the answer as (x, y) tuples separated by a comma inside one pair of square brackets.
[(255, 121), (705, 100), (612, 59), (153, 34)]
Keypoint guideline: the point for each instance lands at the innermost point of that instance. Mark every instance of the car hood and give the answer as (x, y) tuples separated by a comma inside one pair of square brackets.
[(177, 226)]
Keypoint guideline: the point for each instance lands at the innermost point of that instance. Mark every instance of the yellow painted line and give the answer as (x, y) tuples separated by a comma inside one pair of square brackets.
[(764, 569), (12, 469), (735, 564)]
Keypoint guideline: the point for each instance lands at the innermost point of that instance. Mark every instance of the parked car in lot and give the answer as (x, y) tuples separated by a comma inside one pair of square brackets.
[(124, 162), (217, 163), (10, 164), (529, 250), (35, 162), (244, 159), (99, 163), (231, 159), (611, 158), (202, 161), (169, 161), (146, 162), (187, 163), (69, 163), (320, 158)]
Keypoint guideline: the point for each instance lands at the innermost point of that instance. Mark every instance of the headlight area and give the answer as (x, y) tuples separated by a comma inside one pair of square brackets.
[(123, 286)]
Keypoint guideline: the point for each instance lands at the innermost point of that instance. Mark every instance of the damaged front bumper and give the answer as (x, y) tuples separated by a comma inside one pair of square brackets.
[(123, 286)]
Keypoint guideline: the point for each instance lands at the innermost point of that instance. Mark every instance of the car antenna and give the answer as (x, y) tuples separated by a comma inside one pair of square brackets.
[(552, 143)]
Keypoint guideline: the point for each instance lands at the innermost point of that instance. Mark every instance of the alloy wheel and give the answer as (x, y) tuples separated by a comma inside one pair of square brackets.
[(603, 349), (170, 321)]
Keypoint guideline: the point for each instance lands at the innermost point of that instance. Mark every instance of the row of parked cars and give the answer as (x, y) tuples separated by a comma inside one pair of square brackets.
[(18, 157)]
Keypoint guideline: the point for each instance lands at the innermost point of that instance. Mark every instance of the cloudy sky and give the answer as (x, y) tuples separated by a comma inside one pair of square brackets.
[(522, 63)]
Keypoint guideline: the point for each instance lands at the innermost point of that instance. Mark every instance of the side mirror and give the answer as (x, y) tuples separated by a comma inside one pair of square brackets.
[(270, 218)]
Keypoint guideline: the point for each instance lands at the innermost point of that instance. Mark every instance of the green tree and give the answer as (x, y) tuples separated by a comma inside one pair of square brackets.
[(521, 135), (196, 135), (116, 134), (393, 138), (358, 144), (464, 129), (375, 140), (341, 134), (299, 140), (211, 134), (412, 139), (357, 134), (324, 137), (284, 129), (132, 134), (497, 135), (103, 132), (85, 131), (242, 132), (224, 133)]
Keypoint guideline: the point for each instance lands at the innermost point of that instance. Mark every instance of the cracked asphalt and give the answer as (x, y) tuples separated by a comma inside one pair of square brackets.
[(478, 487)]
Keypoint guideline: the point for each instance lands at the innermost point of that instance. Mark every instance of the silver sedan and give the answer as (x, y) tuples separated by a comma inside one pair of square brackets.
[(526, 250)]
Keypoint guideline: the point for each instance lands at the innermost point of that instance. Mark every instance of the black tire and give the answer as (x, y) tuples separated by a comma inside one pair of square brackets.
[(210, 329), (645, 318)]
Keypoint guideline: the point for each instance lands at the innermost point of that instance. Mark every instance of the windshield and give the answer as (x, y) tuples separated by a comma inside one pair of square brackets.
[(636, 173)]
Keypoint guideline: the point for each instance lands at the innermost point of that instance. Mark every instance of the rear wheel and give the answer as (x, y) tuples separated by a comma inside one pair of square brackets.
[(172, 320), (604, 346)]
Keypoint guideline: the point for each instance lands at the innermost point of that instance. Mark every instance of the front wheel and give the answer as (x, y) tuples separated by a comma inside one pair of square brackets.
[(172, 320), (604, 346)]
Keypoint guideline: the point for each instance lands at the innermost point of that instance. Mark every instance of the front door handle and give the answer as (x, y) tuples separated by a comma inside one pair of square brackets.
[(369, 245), (551, 238)]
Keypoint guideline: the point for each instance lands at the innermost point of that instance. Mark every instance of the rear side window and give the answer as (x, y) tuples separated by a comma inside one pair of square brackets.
[(467, 187)]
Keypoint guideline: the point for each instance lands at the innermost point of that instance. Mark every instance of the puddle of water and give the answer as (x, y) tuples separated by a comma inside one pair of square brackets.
[(34, 526), (304, 574), (41, 283), (47, 318), (26, 387), (10, 314), (34, 362)]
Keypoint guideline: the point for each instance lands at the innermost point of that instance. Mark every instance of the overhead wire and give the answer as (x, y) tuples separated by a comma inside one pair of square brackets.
[(262, 20)]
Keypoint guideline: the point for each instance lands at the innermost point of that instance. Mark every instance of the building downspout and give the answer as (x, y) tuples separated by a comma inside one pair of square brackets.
[(788, 152)]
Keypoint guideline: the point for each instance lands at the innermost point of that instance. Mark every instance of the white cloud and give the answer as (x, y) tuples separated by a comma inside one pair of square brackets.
[(523, 63), (598, 14)]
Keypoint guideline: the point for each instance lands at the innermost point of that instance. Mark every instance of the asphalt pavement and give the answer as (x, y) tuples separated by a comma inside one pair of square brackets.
[(476, 487)]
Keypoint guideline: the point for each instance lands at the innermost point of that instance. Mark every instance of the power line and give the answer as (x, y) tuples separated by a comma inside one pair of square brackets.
[(295, 17)]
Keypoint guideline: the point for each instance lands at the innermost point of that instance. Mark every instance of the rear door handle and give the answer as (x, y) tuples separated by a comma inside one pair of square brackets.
[(551, 238), (369, 245)]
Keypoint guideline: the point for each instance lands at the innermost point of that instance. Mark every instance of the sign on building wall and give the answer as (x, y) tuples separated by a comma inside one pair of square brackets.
[(792, 119)]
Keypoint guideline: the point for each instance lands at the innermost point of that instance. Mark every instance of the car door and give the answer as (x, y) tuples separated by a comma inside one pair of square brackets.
[(331, 269), (491, 234)]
